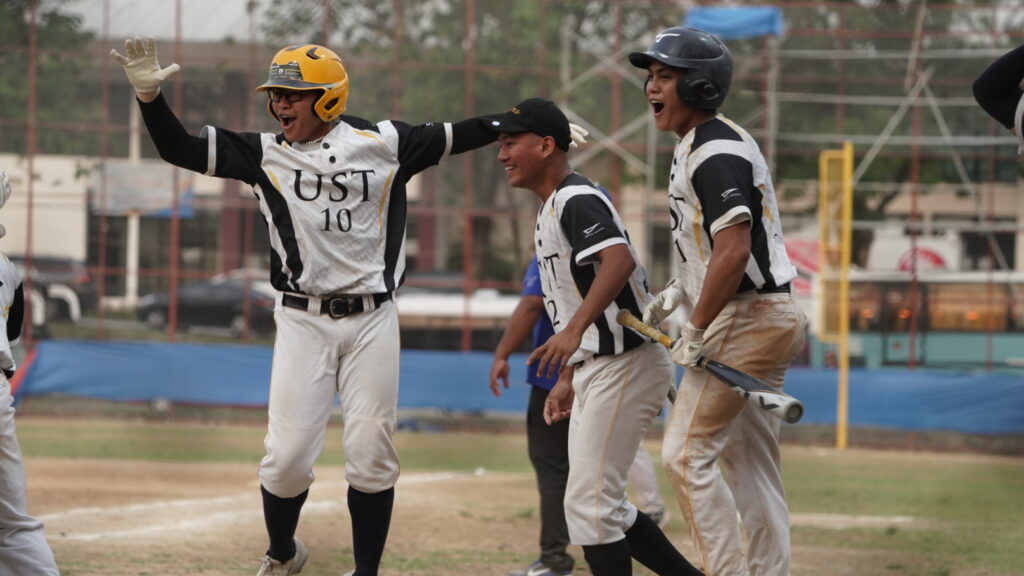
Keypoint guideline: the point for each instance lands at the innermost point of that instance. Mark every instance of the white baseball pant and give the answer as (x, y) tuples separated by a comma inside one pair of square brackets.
[(23, 547), (710, 424), (617, 397), (318, 358)]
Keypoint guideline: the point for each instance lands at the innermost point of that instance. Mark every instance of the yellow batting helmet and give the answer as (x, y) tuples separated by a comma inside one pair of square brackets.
[(311, 67)]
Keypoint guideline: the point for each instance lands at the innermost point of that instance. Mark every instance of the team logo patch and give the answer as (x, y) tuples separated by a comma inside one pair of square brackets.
[(289, 71)]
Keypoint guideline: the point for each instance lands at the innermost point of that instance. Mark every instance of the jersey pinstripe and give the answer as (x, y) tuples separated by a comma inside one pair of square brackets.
[(12, 306), (336, 210), (575, 223), (719, 178)]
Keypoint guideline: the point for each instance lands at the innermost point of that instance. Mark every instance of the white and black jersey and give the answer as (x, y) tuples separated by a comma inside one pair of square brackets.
[(720, 178), (575, 223), (12, 312), (336, 210)]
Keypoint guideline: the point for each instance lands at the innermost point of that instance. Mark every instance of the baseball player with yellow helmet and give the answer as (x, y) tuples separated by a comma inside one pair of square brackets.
[(23, 547), (331, 188)]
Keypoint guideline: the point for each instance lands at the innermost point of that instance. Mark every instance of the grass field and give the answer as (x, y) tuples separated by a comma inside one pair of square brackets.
[(854, 512)]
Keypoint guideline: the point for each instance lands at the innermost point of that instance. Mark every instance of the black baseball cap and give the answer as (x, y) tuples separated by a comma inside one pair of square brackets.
[(537, 115)]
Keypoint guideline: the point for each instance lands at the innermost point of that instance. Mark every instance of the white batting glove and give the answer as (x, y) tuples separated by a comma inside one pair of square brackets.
[(578, 135), (689, 348), (662, 305), (141, 65)]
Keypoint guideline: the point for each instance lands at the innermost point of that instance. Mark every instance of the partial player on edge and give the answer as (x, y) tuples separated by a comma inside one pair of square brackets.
[(23, 547)]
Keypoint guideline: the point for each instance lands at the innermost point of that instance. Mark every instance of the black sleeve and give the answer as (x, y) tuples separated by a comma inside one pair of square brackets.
[(16, 316), (998, 90), (422, 146), (587, 222), (723, 182), (172, 141), (471, 134)]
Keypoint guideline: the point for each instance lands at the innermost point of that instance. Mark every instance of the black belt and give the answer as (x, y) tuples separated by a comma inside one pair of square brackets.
[(334, 306), (784, 289)]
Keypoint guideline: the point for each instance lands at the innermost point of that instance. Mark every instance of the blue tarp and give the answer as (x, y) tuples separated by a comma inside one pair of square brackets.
[(728, 22), (982, 403)]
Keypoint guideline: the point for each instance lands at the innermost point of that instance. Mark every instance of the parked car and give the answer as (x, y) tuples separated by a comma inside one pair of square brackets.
[(65, 283), (218, 302)]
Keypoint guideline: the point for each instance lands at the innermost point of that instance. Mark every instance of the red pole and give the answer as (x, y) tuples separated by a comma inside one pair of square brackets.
[(30, 153), (101, 271), (172, 304), (467, 178)]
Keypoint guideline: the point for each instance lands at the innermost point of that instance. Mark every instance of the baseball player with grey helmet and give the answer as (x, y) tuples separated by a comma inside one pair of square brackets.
[(331, 188), (23, 547), (735, 272)]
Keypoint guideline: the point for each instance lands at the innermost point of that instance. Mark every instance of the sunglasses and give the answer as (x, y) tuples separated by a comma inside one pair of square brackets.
[(289, 96)]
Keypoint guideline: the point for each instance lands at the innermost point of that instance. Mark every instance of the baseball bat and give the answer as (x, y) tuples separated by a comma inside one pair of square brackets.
[(755, 390)]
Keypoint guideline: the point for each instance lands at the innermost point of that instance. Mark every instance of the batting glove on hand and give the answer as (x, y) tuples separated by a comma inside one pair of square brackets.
[(141, 65), (577, 134), (689, 348), (662, 305)]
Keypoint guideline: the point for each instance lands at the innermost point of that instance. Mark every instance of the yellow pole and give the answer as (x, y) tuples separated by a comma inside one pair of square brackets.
[(842, 403)]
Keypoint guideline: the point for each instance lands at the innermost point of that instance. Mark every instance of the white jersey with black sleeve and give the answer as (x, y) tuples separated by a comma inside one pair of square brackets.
[(12, 312), (719, 178), (575, 223), (335, 209)]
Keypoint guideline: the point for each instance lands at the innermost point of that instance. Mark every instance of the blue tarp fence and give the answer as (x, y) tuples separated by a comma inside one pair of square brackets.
[(979, 403)]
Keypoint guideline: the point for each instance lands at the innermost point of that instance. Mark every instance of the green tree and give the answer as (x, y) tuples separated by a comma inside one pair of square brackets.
[(66, 91)]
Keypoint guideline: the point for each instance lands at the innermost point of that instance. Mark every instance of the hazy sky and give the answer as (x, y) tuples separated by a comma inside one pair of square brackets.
[(200, 19)]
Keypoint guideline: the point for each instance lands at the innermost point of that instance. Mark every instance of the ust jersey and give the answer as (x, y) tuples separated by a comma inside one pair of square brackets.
[(575, 223), (12, 311), (336, 209), (719, 178)]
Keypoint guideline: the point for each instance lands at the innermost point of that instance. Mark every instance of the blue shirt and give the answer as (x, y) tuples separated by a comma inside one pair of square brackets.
[(542, 330)]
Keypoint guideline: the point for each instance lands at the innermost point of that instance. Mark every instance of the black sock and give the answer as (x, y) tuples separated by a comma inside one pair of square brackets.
[(282, 517), (650, 547), (371, 518), (609, 559)]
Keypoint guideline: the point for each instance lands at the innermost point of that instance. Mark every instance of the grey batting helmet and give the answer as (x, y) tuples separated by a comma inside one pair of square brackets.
[(705, 58), (5, 188)]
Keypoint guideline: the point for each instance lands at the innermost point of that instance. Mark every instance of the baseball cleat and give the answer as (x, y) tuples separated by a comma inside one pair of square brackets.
[(539, 569), (272, 567)]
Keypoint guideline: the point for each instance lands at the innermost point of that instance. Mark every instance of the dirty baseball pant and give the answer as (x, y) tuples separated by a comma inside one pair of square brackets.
[(617, 397), (644, 481), (23, 547), (710, 424), (318, 358), (548, 447)]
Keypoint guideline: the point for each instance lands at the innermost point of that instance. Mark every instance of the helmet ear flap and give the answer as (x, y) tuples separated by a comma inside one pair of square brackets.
[(704, 88)]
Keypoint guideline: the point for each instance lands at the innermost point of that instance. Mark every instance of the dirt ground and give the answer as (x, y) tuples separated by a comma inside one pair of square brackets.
[(131, 518)]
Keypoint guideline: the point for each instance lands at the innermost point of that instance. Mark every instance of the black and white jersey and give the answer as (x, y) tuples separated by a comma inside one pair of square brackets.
[(719, 178), (575, 223), (12, 311), (336, 210)]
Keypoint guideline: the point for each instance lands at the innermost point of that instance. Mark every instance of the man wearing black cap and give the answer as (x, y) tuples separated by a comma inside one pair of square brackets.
[(612, 381)]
